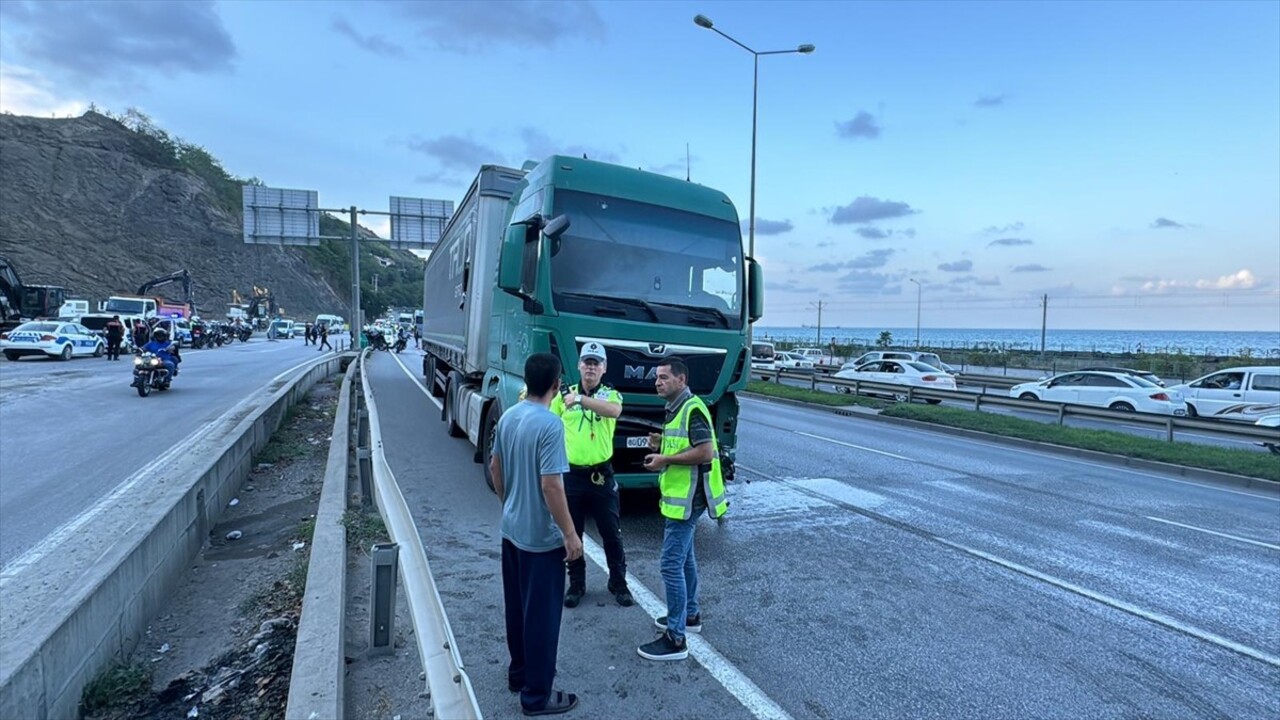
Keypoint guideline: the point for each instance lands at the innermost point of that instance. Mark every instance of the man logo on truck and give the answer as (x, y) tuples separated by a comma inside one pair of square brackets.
[(638, 372)]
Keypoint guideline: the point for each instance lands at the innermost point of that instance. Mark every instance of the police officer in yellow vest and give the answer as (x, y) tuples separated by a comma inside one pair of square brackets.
[(688, 463), (590, 412)]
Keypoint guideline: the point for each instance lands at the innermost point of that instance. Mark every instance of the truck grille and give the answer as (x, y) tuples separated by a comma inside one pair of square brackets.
[(634, 371)]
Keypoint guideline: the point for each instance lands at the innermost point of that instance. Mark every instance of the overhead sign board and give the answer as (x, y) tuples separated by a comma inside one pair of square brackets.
[(276, 216), (417, 223)]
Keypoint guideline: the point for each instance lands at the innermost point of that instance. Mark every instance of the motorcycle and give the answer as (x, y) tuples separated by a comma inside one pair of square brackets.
[(149, 373), (245, 333), (401, 342), (199, 336)]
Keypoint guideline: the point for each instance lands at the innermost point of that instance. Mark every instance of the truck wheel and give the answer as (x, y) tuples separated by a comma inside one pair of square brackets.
[(451, 410), (489, 434)]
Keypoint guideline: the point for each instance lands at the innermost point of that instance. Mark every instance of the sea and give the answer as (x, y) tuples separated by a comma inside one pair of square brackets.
[(1190, 342)]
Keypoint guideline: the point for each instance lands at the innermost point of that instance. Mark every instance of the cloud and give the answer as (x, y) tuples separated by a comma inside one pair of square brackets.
[(826, 244), (1034, 267), (789, 286), (769, 227), (464, 26), (1009, 242), (874, 233), (862, 282), (117, 41), (868, 260), (1161, 223), (957, 266), (1239, 280), (24, 92), (868, 209), (987, 281), (376, 44), (1003, 229), (863, 125), (539, 145), (455, 152), (990, 101)]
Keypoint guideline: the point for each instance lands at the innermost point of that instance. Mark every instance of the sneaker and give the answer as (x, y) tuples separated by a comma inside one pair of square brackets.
[(666, 647), (574, 596), (693, 624)]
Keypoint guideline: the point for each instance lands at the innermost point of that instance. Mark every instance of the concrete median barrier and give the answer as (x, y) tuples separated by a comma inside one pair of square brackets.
[(84, 597)]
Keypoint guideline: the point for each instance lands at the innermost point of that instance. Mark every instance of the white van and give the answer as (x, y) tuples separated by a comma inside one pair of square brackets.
[(763, 356), (332, 322), (812, 354), (71, 310), (1218, 391)]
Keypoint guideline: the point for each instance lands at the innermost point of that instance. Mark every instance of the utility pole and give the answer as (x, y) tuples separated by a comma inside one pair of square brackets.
[(375, 282), (919, 289), (1044, 320), (819, 304)]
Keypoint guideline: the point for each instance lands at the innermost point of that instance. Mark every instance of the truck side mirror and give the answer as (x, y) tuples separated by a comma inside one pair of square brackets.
[(755, 290), (511, 260)]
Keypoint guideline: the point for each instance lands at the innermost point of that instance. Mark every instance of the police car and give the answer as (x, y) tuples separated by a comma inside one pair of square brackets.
[(62, 340)]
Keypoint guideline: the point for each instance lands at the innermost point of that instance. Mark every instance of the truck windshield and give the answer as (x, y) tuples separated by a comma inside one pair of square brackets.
[(688, 263), (122, 305)]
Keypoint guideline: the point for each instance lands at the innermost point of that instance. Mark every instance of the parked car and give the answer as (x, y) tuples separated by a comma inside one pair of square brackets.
[(1114, 391), (929, 358), (1215, 392), (1144, 374), (813, 354), (280, 329), (51, 339), (897, 372), (793, 361)]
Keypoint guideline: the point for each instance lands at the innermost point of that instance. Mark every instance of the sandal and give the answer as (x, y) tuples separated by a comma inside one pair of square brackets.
[(560, 702)]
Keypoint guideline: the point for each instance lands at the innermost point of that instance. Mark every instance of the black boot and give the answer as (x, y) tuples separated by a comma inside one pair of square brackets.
[(622, 594), (574, 596)]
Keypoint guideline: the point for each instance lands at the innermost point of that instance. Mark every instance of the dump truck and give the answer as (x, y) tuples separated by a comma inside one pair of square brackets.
[(569, 251)]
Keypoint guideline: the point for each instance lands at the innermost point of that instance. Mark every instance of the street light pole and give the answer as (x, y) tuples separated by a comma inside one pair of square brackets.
[(705, 22), (919, 287)]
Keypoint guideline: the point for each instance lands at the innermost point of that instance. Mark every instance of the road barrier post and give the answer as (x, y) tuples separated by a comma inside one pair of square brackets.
[(382, 615), (977, 402), (1062, 413), (813, 381), (1168, 429)]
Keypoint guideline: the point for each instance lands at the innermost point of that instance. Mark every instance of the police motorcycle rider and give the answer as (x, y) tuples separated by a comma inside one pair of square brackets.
[(590, 413), (163, 349)]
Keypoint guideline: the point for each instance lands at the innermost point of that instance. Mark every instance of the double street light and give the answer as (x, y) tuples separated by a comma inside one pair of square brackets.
[(704, 21)]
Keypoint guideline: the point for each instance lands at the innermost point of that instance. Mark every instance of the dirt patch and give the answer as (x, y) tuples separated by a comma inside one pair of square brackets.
[(223, 646)]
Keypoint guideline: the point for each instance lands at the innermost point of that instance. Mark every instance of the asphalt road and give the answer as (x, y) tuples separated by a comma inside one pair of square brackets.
[(875, 571), (1050, 417), (73, 431)]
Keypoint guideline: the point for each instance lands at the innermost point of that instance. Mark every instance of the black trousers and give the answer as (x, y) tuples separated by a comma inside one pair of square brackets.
[(600, 503), (113, 348), (533, 588)]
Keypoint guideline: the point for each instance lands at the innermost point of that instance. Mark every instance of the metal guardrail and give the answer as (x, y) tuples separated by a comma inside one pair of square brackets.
[(448, 684), (1170, 424)]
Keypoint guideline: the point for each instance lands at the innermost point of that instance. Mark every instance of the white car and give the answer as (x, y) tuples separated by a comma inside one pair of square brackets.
[(812, 354), (874, 355), (897, 372), (51, 339), (1114, 391), (1213, 393), (793, 361)]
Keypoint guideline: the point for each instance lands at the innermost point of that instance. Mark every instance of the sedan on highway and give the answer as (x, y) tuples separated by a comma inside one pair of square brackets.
[(794, 362), (50, 339), (1114, 391), (904, 373)]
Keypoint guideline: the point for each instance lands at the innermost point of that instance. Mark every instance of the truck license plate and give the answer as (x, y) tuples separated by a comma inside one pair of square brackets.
[(638, 442)]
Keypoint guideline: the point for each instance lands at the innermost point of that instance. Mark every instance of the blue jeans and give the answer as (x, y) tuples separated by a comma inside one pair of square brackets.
[(679, 573)]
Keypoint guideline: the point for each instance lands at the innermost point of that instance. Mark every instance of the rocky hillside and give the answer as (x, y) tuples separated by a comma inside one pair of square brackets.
[(98, 208)]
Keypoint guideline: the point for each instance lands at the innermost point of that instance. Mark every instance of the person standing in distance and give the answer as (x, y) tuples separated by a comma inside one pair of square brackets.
[(527, 464), (590, 413), (687, 459), (115, 336)]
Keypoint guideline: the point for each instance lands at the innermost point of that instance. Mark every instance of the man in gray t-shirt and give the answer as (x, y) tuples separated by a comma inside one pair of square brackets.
[(527, 462)]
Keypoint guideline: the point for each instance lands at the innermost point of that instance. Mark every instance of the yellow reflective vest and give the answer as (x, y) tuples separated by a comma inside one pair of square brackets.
[(677, 482), (588, 436)]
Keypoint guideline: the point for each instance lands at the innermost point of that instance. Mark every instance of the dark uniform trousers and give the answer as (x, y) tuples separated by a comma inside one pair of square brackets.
[(533, 588), (588, 499)]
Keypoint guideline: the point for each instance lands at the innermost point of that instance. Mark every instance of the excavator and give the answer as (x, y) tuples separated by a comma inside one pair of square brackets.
[(188, 306), (19, 303), (262, 301)]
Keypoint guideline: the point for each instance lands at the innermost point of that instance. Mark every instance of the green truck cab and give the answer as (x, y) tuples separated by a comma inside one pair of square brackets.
[(569, 251)]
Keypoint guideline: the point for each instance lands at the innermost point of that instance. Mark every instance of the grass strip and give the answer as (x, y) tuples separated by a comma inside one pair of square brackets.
[(816, 397), (1206, 457)]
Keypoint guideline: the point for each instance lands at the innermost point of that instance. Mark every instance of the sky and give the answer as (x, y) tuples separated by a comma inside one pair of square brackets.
[(960, 160)]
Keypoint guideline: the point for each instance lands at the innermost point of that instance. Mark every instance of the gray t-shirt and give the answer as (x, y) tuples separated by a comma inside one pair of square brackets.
[(530, 444)]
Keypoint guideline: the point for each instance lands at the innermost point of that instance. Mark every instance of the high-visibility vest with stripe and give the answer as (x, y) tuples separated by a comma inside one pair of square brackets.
[(588, 436), (677, 482)]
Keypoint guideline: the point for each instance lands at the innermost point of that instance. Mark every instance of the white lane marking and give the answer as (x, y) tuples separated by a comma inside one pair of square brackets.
[(415, 380), (725, 672), (63, 534), (1062, 458), (1154, 617), (1259, 543), (851, 445)]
